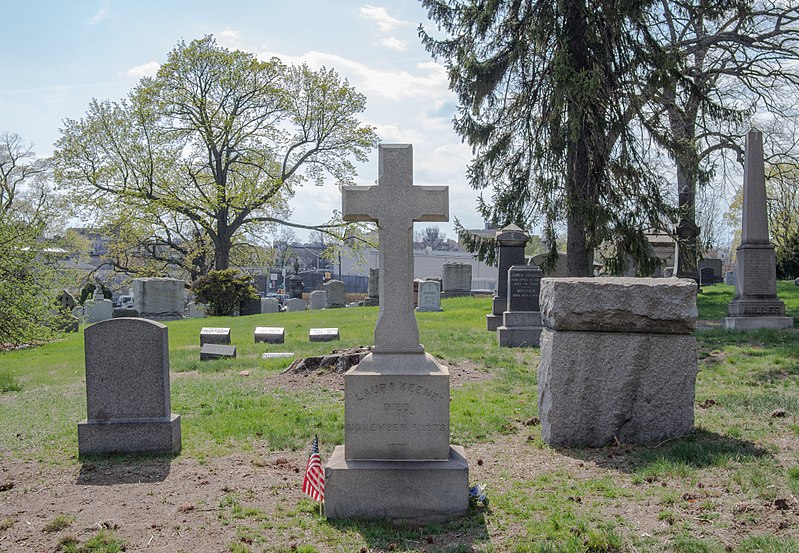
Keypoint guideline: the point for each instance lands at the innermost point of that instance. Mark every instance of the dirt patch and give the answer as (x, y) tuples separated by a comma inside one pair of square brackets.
[(328, 376)]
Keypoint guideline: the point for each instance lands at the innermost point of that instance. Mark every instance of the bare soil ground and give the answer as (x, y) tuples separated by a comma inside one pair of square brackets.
[(182, 504)]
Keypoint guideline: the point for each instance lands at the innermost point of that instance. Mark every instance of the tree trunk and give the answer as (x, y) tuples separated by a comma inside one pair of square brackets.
[(578, 174), (222, 246)]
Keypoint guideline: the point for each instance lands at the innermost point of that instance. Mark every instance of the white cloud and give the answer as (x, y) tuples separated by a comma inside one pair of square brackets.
[(103, 13), (394, 43), (229, 38), (148, 69), (380, 16), (427, 82)]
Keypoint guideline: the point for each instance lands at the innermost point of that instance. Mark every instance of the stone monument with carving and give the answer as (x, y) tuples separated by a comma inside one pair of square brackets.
[(396, 462), (755, 304)]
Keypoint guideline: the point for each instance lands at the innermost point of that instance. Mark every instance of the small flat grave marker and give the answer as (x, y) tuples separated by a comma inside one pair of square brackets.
[(211, 335), (270, 334), (323, 334), (277, 355), (217, 351)]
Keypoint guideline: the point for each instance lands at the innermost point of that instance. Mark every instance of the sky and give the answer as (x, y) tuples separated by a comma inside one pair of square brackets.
[(58, 55)]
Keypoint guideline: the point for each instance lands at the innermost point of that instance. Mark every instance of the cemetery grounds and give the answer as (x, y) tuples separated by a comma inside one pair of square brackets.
[(247, 428)]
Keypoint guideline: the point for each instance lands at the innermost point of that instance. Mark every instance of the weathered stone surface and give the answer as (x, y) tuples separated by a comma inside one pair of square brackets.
[(594, 386), (127, 390), (270, 334), (729, 278), (120, 312), (619, 304), (373, 285), (214, 335), (323, 334), (250, 306), (715, 274), (98, 310), (159, 298), (456, 279), (416, 492), (269, 305), (429, 296), (317, 299), (196, 310), (336, 294), (397, 407), (210, 352), (295, 304)]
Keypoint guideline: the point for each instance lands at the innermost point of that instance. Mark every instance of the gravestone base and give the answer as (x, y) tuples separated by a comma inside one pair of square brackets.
[(129, 437), (753, 323), (400, 491), (371, 302), (597, 387), (522, 329), (493, 322)]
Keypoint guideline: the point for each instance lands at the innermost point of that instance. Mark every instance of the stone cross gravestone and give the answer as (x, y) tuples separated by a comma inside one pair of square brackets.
[(396, 461), (511, 240), (755, 304), (521, 322), (127, 390)]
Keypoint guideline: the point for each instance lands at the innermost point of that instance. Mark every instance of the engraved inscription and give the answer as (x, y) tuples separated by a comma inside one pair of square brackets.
[(760, 276), (385, 428), (207, 330), (763, 310), (395, 387)]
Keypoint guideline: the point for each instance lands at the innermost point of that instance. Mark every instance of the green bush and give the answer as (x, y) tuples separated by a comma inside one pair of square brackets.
[(223, 291)]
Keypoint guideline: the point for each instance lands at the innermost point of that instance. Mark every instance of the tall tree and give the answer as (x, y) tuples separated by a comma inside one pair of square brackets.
[(544, 90), (28, 274), (211, 147), (722, 63)]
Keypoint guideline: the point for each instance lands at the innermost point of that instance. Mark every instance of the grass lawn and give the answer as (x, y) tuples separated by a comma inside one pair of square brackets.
[(731, 486)]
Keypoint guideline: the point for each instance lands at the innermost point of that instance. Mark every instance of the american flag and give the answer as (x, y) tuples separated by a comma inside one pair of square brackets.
[(314, 482)]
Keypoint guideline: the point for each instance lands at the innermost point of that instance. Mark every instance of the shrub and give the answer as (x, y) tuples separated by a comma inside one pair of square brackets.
[(223, 291)]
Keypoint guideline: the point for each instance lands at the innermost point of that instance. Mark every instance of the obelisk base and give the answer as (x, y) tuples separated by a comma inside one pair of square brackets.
[(753, 323), (400, 491)]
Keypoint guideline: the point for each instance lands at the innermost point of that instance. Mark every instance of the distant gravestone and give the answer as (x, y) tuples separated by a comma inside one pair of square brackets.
[(521, 326), (317, 299), (372, 290), (196, 310), (270, 334), (212, 335), (270, 305), (429, 296), (511, 241), (456, 279), (618, 360), (250, 306), (729, 278), (295, 304), (323, 334), (209, 352), (716, 271), (66, 302), (277, 355), (159, 298), (120, 312), (127, 390), (336, 294), (98, 309), (755, 304), (295, 286), (396, 462), (65, 321)]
